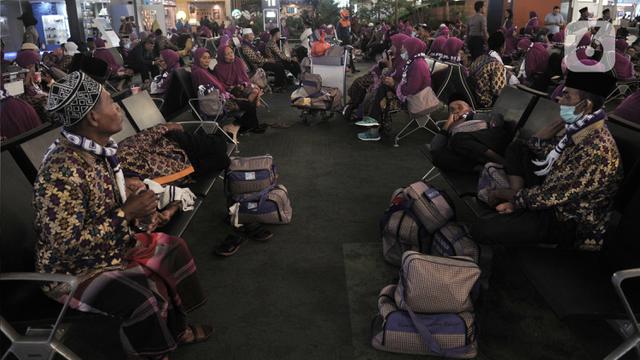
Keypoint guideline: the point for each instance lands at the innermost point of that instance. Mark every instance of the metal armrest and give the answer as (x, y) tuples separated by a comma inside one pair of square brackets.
[(158, 101), (192, 101), (634, 339), (210, 127), (36, 345)]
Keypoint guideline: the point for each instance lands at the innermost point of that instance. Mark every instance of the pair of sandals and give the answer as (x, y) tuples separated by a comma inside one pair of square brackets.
[(232, 243)]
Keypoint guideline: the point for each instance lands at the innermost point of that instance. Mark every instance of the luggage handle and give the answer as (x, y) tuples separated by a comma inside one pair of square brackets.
[(426, 335)]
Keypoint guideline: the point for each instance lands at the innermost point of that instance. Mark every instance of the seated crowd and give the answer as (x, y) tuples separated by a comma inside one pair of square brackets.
[(91, 194)]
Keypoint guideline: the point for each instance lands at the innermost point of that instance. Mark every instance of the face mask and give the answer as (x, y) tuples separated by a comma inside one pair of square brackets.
[(567, 113), (404, 56)]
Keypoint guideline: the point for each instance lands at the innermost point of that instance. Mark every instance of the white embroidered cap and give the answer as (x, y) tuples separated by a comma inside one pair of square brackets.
[(72, 97)]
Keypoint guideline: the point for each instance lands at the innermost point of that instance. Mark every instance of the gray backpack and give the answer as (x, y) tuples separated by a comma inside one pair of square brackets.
[(401, 231), (399, 331), (269, 206), (250, 174), (433, 284), (430, 205), (493, 177), (454, 240)]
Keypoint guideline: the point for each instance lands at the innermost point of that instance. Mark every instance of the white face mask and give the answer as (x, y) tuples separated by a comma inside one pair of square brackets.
[(404, 56)]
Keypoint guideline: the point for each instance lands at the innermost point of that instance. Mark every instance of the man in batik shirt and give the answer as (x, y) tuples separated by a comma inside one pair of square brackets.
[(275, 52), (83, 216), (562, 188)]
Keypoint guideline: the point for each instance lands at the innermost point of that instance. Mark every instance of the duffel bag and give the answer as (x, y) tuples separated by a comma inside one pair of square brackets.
[(401, 231), (454, 240), (491, 178), (270, 206), (430, 205), (250, 174), (398, 331), (434, 284)]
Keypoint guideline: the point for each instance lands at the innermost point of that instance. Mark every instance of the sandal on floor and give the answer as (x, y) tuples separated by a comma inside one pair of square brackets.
[(229, 246), (255, 231), (199, 333)]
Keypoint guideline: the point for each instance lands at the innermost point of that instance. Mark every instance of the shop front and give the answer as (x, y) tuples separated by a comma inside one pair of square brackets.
[(214, 10)]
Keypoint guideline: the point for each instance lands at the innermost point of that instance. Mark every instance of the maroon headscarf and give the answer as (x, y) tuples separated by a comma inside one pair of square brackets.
[(558, 37), (105, 55), (100, 43), (398, 63), (630, 108), (201, 76), (621, 45), (231, 74), (536, 57), (436, 47), (26, 58), (451, 50), (418, 76), (171, 58)]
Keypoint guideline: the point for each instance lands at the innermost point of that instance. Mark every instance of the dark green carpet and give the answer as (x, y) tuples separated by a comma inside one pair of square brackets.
[(311, 291)]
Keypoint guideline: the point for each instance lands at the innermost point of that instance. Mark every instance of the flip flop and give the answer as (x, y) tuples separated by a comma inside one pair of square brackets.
[(200, 333)]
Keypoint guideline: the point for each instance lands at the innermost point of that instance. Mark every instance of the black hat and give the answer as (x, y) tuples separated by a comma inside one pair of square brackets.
[(456, 97), (583, 10), (274, 31), (597, 83)]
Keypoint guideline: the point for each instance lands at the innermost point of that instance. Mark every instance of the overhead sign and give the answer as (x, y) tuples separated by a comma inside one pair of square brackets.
[(270, 4)]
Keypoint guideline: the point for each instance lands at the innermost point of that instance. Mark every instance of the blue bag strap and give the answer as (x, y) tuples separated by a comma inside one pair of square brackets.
[(427, 336)]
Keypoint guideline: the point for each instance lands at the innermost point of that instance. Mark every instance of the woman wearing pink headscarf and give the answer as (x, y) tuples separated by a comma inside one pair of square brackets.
[(452, 50), (533, 24), (29, 58), (205, 83), (536, 60), (168, 62), (435, 52), (509, 29), (384, 88), (415, 73), (623, 67), (102, 53)]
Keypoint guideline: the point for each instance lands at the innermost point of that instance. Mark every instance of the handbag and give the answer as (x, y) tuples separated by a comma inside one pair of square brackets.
[(211, 104), (423, 102)]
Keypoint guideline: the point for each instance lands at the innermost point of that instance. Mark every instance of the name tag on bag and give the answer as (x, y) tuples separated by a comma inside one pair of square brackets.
[(250, 175)]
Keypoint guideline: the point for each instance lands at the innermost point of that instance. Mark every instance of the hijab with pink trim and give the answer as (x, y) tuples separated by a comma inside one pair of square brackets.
[(202, 76)]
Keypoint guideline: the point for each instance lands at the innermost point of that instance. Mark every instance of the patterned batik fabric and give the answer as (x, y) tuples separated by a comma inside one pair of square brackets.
[(489, 77), (581, 185), (273, 51), (150, 155), (152, 294), (253, 56), (76, 203)]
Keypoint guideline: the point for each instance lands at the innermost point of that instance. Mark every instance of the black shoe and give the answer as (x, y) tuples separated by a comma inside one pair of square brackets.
[(229, 246), (255, 231)]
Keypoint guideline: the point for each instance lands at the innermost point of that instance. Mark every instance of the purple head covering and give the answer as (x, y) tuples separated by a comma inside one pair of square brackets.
[(629, 108), (408, 30), (231, 74), (621, 45), (398, 63), (436, 46), (202, 76), (533, 24), (451, 49), (171, 58), (100, 43), (414, 46), (418, 76), (623, 67), (536, 59), (26, 58), (105, 55), (558, 37)]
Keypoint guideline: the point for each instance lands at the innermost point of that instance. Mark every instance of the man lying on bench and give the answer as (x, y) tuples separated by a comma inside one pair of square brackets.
[(83, 218), (567, 197), (468, 139)]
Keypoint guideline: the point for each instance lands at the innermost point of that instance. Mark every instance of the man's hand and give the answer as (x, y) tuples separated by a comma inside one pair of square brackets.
[(139, 205), (505, 208), (174, 127), (388, 81)]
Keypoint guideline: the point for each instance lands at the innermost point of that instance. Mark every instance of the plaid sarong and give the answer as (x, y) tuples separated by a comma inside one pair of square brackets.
[(152, 295)]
